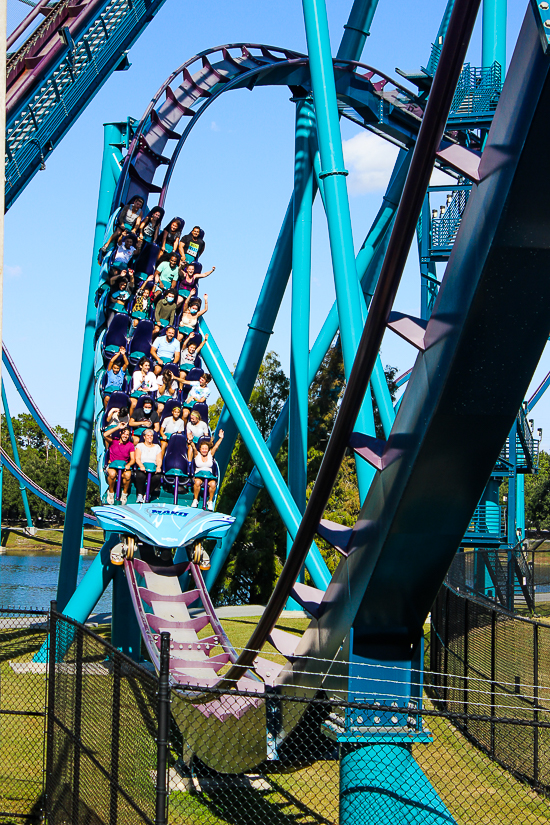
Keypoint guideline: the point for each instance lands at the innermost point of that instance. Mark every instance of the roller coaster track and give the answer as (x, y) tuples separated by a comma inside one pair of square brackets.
[(442, 448), (381, 104), (58, 70), (32, 406), (38, 491)]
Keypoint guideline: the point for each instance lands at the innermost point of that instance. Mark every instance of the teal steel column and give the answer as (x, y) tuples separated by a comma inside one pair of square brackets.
[(368, 263), (348, 292), (520, 507), (493, 34), (90, 590), (355, 33), (125, 631), (16, 457), (259, 453), (436, 48), (83, 428), (300, 311), (357, 29), (259, 331)]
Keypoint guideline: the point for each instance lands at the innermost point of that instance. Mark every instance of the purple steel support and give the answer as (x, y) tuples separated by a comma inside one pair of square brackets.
[(148, 490), (118, 483)]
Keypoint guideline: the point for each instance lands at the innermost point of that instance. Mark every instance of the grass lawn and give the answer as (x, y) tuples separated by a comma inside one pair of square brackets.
[(15, 538)]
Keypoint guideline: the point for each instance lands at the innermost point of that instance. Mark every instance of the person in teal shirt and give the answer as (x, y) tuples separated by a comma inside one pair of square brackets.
[(165, 275)]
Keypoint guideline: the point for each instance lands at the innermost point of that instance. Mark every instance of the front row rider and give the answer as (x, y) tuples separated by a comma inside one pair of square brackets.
[(204, 464)]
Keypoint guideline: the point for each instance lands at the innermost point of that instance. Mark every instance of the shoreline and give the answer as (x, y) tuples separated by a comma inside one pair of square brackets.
[(47, 539)]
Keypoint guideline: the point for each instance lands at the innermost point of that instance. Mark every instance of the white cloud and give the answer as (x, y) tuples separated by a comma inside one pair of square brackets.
[(214, 126), (369, 160), (440, 178), (13, 271)]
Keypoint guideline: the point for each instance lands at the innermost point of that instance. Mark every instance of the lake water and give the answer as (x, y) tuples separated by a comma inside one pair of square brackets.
[(28, 579)]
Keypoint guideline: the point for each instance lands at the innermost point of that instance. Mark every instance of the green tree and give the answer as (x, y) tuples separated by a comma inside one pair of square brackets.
[(41, 462), (537, 495), (259, 552)]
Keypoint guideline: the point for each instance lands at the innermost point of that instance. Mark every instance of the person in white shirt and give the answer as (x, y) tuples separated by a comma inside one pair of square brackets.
[(148, 457), (143, 382), (204, 464), (197, 428), (172, 424), (198, 394)]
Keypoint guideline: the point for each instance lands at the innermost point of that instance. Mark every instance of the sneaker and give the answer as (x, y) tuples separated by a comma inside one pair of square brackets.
[(123, 498), (140, 499), (110, 498), (195, 503), (210, 505)]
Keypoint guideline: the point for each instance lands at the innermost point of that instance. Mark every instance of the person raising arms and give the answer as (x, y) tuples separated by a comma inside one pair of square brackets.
[(189, 351), (128, 220), (188, 280), (191, 313), (204, 465), (116, 373), (143, 381)]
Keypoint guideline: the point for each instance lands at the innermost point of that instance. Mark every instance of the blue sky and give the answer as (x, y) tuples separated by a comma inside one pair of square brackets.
[(234, 178)]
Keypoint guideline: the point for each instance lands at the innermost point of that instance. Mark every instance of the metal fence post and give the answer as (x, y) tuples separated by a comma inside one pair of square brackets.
[(161, 810), (536, 702), (115, 742), (465, 660), (77, 724), (493, 677), (446, 650), (50, 709)]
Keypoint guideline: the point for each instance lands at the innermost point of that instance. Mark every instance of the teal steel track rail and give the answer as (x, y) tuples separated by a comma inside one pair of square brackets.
[(30, 485), (58, 71)]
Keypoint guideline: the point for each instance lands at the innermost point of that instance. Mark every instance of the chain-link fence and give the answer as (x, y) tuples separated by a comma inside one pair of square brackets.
[(487, 661), (22, 716), (102, 730), (276, 758)]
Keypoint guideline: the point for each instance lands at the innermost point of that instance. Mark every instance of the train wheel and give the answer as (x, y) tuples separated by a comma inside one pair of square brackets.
[(130, 546)]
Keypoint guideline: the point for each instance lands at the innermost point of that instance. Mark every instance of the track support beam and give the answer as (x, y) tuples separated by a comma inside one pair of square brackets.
[(114, 136)]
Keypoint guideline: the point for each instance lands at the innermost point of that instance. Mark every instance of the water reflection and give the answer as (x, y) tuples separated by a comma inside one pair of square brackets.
[(28, 579)]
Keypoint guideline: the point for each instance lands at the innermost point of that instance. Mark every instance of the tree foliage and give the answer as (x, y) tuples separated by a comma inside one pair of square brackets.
[(44, 465), (258, 554), (537, 495)]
